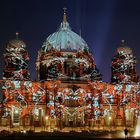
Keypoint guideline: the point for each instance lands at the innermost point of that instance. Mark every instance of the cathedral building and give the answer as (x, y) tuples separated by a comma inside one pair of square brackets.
[(69, 93)]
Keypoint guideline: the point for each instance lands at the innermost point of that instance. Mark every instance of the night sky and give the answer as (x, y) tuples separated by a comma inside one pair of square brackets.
[(103, 23)]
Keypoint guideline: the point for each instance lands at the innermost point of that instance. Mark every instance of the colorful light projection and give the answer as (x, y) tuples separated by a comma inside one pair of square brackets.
[(97, 100), (94, 100), (124, 66), (74, 66), (16, 61), (122, 96), (23, 95)]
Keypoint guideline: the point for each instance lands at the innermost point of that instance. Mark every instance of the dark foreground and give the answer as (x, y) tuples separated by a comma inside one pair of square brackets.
[(57, 138), (116, 135)]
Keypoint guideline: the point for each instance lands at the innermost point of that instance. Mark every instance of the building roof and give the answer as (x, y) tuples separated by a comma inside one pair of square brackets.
[(123, 48), (64, 39), (16, 44)]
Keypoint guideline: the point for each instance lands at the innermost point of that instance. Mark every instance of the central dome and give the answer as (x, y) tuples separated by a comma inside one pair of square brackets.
[(65, 56), (64, 39)]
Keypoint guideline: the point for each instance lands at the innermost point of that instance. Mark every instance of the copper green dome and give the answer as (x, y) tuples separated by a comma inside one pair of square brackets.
[(64, 39)]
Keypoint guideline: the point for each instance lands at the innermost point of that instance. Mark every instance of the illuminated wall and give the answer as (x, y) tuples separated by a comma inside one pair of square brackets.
[(95, 99)]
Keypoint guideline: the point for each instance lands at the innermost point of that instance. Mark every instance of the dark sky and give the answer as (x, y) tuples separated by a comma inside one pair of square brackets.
[(103, 24)]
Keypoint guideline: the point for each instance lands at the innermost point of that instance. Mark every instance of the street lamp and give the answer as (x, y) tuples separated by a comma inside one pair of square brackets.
[(110, 122), (110, 118), (16, 111), (46, 118)]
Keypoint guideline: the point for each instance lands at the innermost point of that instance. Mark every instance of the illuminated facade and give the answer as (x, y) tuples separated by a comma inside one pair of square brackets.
[(69, 92)]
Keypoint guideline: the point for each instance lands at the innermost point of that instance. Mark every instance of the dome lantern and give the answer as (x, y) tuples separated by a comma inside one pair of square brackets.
[(64, 16)]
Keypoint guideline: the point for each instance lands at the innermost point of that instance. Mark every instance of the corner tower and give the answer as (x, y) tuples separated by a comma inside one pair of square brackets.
[(65, 56), (16, 60), (124, 65)]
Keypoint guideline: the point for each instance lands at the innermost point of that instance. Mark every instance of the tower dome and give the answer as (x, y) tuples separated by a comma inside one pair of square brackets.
[(124, 49), (16, 60), (15, 44), (64, 39)]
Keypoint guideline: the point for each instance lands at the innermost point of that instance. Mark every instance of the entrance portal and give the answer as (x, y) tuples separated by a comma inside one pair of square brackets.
[(73, 118), (71, 124)]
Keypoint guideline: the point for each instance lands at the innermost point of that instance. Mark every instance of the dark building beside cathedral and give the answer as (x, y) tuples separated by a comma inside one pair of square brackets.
[(69, 92)]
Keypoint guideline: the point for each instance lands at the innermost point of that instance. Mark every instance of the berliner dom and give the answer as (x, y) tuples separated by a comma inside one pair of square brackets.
[(69, 93)]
